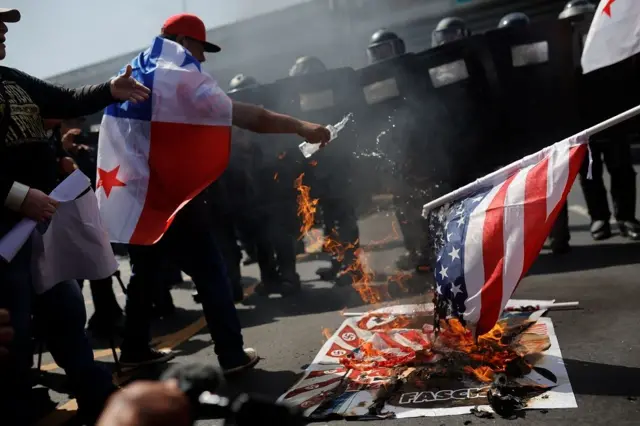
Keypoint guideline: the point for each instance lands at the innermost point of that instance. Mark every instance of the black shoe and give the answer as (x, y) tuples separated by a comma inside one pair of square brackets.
[(250, 361), (327, 273), (600, 230), (630, 229), (285, 287), (290, 286), (347, 278), (147, 356)]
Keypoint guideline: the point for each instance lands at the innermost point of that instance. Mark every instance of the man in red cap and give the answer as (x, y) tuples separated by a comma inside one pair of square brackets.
[(189, 241)]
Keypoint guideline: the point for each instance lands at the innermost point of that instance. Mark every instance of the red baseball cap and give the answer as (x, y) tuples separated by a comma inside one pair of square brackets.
[(189, 25), (9, 15)]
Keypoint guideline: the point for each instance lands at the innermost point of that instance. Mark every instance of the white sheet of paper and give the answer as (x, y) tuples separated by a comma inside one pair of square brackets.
[(68, 190), (74, 246)]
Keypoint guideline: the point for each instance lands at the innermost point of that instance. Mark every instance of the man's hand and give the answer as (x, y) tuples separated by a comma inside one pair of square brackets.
[(147, 404), (67, 165), (314, 133), (69, 138), (126, 88), (38, 206), (6, 332)]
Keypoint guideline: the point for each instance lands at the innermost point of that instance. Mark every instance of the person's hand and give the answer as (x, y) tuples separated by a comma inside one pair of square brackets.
[(126, 88), (146, 403), (69, 138), (314, 133), (67, 165), (6, 332), (38, 206)]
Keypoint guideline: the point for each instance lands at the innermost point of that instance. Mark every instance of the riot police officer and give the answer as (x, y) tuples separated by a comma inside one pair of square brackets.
[(577, 9), (247, 240), (241, 81), (449, 29), (264, 208), (338, 212), (384, 44), (515, 19)]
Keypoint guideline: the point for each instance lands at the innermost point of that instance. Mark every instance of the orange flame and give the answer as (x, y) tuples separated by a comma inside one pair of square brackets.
[(306, 206), (489, 354), (361, 276)]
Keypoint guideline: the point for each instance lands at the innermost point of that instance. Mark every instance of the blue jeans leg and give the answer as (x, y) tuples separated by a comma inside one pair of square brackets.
[(61, 315)]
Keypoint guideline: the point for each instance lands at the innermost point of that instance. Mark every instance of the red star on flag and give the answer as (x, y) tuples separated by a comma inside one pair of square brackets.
[(108, 179), (607, 7)]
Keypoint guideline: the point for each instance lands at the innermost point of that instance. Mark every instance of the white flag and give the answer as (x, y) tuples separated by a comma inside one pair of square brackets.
[(614, 34)]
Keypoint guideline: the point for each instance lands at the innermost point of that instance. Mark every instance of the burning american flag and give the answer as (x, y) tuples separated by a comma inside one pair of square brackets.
[(486, 242)]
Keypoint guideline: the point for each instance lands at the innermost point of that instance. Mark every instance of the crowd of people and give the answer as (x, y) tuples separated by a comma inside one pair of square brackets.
[(32, 163)]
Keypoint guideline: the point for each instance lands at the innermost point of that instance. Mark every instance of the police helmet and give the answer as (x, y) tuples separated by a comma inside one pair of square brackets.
[(242, 81), (516, 19), (576, 8), (383, 45), (307, 65), (448, 30)]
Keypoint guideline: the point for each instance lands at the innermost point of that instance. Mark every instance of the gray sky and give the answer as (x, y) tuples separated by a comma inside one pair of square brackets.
[(55, 36)]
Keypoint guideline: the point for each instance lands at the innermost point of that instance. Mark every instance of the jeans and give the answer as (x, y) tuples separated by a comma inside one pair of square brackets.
[(188, 243), (59, 318)]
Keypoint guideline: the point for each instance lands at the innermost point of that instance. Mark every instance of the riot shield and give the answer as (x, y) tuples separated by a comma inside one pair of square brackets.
[(457, 136), (535, 68), (386, 87), (324, 98)]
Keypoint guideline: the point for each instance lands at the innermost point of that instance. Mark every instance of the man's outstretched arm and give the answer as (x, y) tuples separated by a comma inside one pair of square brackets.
[(260, 120)]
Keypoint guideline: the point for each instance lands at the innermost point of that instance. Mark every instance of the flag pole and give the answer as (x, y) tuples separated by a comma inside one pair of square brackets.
[(524, 162)]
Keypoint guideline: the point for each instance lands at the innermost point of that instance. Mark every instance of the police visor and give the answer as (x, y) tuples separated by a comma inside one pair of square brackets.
[(445, 36), (382, 51)]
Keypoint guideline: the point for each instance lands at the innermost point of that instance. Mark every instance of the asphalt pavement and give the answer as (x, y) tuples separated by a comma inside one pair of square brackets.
[(598, 341)]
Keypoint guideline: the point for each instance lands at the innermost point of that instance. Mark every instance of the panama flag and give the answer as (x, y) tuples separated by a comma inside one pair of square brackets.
[(614, 34), (155, 156)]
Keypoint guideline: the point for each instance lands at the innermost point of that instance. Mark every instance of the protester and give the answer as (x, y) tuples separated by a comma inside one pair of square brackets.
[(147, 404), (189, 241), (28, 171)]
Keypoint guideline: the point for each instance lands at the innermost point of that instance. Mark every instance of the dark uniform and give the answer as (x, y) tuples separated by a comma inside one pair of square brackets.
[(338, 212), (611, 147), (263, 208), (559, 236), (385, 45)]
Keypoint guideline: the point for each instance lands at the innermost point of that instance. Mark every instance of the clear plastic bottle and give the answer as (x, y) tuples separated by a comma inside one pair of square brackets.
[(308, 149)]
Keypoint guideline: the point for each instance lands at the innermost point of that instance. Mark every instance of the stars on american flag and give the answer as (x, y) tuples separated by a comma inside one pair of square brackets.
[(450, 282)]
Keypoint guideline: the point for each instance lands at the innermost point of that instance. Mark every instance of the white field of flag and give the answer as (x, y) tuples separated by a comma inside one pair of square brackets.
[(614, 34)]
